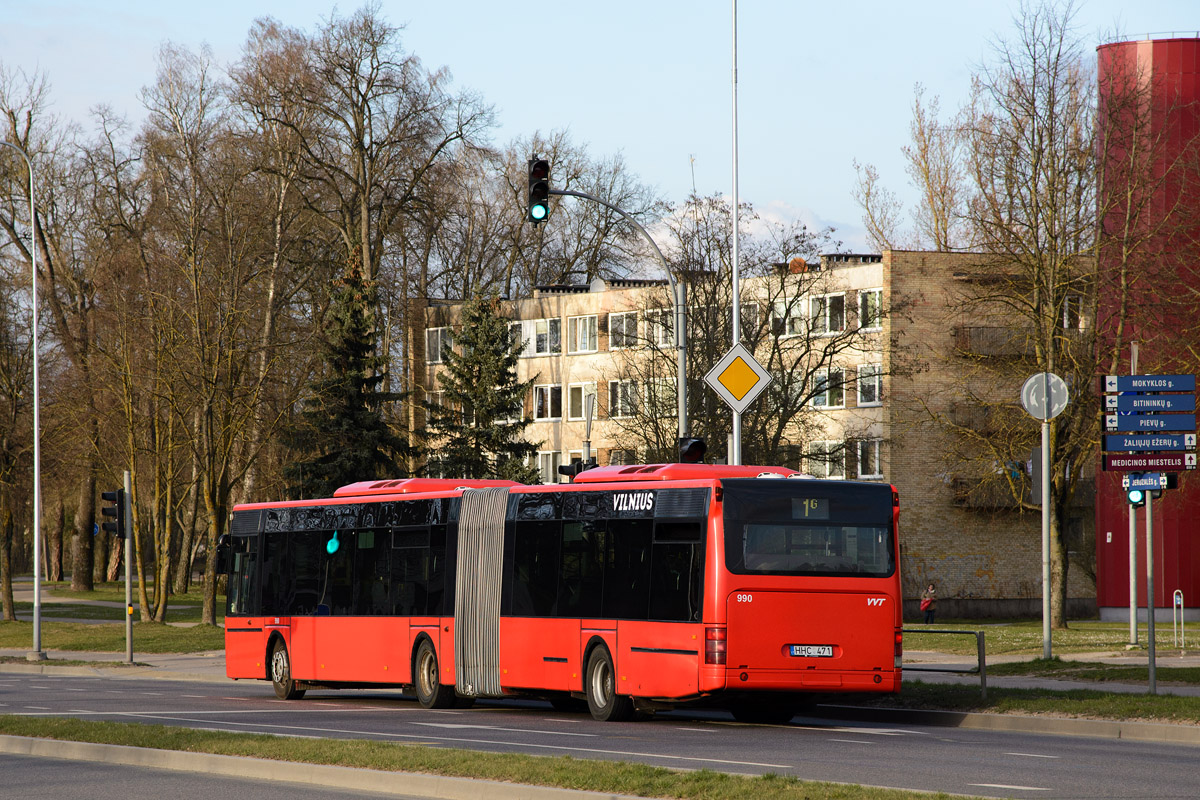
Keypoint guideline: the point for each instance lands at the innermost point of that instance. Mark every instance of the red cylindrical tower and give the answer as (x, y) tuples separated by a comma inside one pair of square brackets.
[(1148, 133)]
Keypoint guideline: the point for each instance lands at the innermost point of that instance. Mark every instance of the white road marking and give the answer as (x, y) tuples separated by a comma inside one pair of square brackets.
[(1032, 755), (851, 741), (454, 726), (1009, 786), (698, 730), (38, 708)]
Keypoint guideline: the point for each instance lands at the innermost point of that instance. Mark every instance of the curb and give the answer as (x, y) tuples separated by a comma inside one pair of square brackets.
[(413, 784)]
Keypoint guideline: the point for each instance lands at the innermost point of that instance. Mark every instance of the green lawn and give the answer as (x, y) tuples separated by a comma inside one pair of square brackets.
[(1024, 637), (148, 637)]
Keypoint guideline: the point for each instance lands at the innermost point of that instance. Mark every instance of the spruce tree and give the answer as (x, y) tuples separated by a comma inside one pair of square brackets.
[(342, 435), (477, 431)]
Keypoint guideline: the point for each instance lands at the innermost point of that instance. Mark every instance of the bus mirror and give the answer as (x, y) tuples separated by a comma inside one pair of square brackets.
[(223, 546)]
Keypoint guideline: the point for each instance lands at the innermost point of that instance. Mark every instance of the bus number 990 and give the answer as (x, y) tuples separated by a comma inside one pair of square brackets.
[(745, 598)]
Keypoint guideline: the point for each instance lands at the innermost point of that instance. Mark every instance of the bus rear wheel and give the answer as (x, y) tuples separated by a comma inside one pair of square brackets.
[(428, 682), (281, 673), (600, 686)]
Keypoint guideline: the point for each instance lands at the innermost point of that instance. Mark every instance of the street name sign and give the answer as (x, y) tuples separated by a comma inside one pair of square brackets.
[(1150, 383), (1149, 423), (1150, 402), (1135, 442), (1144, 480), (738, 378), (1149, 462)]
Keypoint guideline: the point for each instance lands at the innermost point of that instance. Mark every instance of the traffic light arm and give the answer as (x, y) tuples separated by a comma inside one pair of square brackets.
[(678, 297)]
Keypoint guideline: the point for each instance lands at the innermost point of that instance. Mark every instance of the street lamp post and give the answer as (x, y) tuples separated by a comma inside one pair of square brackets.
[(37, 653)]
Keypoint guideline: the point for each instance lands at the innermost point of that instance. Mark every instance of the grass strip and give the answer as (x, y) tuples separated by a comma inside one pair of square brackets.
[(148, 637), (1059, 669), (557, 771), (1024, 637), (1078, 703)]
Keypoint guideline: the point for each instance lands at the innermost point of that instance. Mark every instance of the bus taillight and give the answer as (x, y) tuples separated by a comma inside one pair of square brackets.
[(714, 645), (899, 649)]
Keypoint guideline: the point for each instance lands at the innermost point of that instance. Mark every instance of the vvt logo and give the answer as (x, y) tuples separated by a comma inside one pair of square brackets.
[(874, 601)]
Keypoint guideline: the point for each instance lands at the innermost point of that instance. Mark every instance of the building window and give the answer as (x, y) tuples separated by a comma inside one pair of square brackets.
[(547, 402), (622, 458), (663, 397), (868, 459), (660, 328), (622, 398), (829, 388), (581, 334), (622, 330), (548, 464), (870, 309), (787, 318), (518, 340), (749, 320), (438, 342), (827, 460), (547, 338), (1072, 315), (870, 385), (577, 395), (828, 313)]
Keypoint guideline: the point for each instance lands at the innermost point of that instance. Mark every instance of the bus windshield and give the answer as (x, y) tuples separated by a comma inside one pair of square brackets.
[(808, 527)]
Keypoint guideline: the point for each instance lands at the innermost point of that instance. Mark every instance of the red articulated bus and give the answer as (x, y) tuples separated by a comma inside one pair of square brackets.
[(754, 589)]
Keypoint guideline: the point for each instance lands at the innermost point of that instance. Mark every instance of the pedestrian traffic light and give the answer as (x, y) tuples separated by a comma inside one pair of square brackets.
[(116, 511), (1136, 497), (539, 190)]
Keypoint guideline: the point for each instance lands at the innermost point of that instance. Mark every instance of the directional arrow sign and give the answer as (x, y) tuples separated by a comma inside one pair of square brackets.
[(1166, 441), (1149, 462), (1150, 383), (1150, 402), (1149, 423)]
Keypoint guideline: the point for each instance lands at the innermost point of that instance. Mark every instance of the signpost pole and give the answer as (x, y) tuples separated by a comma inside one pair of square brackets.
[(1046, 538), (1150, 585), (1133, 599)]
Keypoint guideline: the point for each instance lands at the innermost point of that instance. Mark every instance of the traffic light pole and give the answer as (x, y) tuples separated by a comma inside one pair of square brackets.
[(1150, 586), (127, 500), (678, 297)]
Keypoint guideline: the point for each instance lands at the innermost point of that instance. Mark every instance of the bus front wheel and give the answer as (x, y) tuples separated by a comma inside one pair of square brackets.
[(281, 673), (601, 689), (428, 681)]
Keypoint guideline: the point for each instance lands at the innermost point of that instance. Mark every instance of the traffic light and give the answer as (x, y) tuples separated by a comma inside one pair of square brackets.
[(539, 190), (1172, 482), (575, 467), (116, 511), (1136, 497), (692, 450)]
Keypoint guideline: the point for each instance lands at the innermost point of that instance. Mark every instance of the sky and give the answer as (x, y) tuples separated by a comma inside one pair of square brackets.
[(819, 84)]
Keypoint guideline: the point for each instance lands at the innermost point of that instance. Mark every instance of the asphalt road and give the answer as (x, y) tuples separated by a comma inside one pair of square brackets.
[(910, 756), (32, 777)]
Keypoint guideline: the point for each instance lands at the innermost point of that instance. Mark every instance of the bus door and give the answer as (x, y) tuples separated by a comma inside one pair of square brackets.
[(243, 627)]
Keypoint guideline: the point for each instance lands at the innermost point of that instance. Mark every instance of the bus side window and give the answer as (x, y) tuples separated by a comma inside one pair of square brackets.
[(535, 568), (676, 572), (582, 575), (627, 569), (303, 594), (243, 575)]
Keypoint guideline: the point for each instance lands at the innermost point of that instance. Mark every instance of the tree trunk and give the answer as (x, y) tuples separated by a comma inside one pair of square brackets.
[(6, 590), (54, 542), (81, 548)]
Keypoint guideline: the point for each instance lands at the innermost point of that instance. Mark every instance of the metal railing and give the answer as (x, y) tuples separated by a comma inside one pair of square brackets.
[(981, 656)]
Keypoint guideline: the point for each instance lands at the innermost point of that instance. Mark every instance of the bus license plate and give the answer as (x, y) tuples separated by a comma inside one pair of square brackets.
[(813, 650)]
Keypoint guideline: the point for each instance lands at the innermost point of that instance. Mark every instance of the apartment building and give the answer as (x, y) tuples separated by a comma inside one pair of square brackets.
[(875, 410)]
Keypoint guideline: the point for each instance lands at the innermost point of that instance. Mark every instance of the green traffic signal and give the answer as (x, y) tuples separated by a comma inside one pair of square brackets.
[(539, 190), (1136, 497)]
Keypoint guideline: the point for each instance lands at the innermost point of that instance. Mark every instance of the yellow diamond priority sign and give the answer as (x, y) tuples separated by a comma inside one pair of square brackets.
[(738, 378)]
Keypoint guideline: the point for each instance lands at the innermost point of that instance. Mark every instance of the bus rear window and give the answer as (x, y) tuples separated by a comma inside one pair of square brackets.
[(808, 528)]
